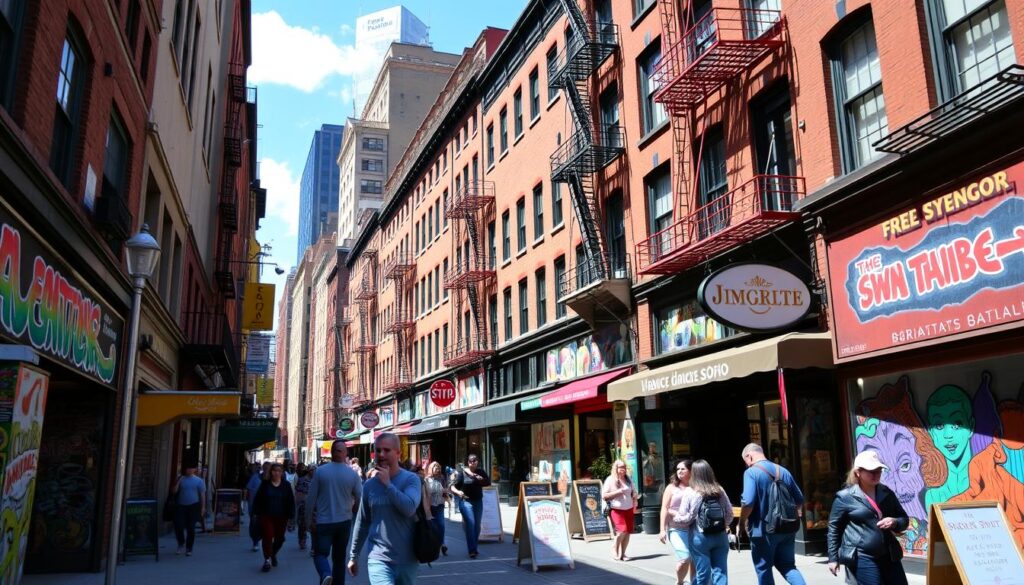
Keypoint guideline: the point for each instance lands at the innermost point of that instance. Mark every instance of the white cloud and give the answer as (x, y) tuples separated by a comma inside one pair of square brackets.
[(282, 193), (347, 29), (299, 57)]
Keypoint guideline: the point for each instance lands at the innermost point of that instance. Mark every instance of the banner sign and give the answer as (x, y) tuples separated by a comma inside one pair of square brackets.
[(754, 297), (950, 265), (258, 308), (44, 304), (257, 354), (264, 391)]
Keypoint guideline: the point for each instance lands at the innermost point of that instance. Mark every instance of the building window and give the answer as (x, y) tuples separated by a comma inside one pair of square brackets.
[(115, 160), (559, 276), (615, 228), (972, 42), (437, 285), (371, 186), (653, 113), (506, 241), (517, 112), (715, 210), (521, 224), (445, 272), (534, 94), (659, 199), (70, 89), (538, 211), (640, 5), (492, 246), (552, 56), (503, 129), (524, 311), (490, 145), (609, 102), (444, 203), (556, 205), (541, 283), (857, 84), (374, 144), (492, 309), (374, 165), (506, 297)]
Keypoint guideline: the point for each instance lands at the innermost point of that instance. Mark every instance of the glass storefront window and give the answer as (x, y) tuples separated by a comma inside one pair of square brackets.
[(685, 325), (819, 469), (551, 459)]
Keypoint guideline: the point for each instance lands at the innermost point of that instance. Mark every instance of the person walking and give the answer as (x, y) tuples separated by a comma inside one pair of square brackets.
[(768, 550), (190, 495), (354, 462), (708, 510), (622, 498), (301, 492), (387, 518), (251, 487), (438, 493), (675, 533), (275, 506), (469, 496), (862, 528), (333, 492)]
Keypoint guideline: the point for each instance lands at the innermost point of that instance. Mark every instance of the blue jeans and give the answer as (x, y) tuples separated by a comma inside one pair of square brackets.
[(869, 571), (775, 550), (438, 513), (471, 511), (381, 573), (331, 539), (710, 554)]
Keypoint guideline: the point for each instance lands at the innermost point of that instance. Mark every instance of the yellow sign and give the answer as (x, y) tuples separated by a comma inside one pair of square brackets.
[(258, 310), (264, 391), (270, 446), (157, 408)]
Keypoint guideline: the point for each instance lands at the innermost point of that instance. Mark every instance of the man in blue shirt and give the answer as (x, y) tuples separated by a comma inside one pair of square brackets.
[(387, 518), (333, 492), (768, 550), (190, 494)]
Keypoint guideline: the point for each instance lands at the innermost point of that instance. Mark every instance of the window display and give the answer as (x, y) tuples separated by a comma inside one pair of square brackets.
[(819, 469), (551, 459)]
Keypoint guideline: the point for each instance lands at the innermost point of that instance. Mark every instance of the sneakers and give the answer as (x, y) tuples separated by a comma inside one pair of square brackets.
[(188, 553), (266, 566), (255, 548), (328, 580), (180, 551)]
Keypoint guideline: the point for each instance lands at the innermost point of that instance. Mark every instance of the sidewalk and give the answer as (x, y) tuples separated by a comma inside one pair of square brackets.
[(228, 560)]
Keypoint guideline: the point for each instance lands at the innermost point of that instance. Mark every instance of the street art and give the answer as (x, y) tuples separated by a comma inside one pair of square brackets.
[(964, 448), (607, 348)]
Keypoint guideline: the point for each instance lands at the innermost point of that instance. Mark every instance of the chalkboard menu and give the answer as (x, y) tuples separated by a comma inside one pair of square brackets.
[(970, 544), (140, 528), (535, 488), (528, 489), (585, 517), (227, 511)]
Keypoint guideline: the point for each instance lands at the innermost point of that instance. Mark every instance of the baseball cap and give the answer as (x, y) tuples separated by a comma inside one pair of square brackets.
[(868, 460)]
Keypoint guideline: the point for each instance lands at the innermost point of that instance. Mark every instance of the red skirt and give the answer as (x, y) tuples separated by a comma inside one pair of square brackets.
[(623, 520)]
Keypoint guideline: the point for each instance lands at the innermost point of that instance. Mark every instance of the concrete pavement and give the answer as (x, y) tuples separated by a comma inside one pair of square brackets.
[(227, 560)]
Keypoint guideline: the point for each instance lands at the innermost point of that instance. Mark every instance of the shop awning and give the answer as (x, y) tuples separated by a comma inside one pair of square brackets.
[(401, 429), (157, 408), (439, 422), (355, 434), (789, 351), (576, 391), (248, 431), (495, 414)]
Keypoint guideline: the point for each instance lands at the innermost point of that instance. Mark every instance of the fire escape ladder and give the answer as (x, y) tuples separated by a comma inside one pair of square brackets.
[(576, 19), (669, 22), (584, 204)]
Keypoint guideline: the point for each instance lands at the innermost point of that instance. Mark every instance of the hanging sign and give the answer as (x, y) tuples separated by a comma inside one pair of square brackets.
[(546, 539), (585, 517), (442, 393), (347, 400), (754, 297), (369, 419), (264, 391), (970, 544), (258, 307), (257, 354), (346, 425), (949, 265)]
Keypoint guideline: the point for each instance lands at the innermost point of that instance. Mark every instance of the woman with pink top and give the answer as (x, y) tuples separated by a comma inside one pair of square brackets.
[(622, 497), (675, 533), (706, 507)]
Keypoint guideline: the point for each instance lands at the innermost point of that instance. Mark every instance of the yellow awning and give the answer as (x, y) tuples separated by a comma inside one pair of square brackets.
[(792, 350), (157, 408)]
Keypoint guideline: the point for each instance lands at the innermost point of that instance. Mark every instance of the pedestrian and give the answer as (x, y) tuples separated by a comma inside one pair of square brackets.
[(334, 491), (768, 550), (862, 528), (707, 509), (354, 463), (469, 496), (190, 495), (387, 518), (301, 491), (275, 506), (255, 480), (437, 489), (676, 533), (622, 498)]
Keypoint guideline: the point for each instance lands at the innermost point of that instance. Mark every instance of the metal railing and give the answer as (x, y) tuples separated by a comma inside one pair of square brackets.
[(588, 271), (585, 154), (581, 57)]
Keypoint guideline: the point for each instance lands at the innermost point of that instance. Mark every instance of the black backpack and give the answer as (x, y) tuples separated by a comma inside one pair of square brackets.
[(426, 542), (711, 516), (779, 516)]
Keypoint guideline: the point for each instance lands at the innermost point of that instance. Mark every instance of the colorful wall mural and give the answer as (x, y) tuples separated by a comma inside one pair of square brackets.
[(686, 325), (951, 434), (605, 349)]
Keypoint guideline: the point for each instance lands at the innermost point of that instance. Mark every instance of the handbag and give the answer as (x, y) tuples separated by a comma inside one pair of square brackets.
[(426, 542), (170, 507)]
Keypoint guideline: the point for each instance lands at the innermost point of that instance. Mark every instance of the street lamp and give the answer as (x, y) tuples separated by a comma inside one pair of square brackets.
[(142, 253)]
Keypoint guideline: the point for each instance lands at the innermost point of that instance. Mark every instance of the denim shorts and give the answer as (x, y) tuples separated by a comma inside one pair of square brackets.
[(680, 541)]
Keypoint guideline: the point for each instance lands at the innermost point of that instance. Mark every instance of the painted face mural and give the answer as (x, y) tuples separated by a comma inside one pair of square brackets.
[(950, 422), (897, 448)]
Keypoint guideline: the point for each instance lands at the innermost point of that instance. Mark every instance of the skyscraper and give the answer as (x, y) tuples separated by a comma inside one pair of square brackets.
[(376, 31), (318, 190)]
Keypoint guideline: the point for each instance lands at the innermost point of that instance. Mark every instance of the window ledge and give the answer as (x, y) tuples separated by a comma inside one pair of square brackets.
[(538, 242), (490, 167), (640, 17), (506, 262), (521, 253), (654, 133), (503, 154), (534, 120), (554, 100), (518, 138), (557, 228)]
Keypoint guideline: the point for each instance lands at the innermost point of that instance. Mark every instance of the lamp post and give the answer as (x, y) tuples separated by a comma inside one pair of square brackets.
[(142, 253)]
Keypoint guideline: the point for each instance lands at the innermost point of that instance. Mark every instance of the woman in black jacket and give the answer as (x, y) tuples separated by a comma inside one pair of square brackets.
[(274, 506), (866, 516)]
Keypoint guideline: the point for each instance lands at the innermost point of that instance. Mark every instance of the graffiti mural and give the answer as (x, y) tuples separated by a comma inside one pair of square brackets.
[(605, 349), (947, 435)]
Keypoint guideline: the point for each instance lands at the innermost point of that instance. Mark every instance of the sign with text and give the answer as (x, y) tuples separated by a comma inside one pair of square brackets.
[(257, 354), (346, 425), (947, 266), (546, 539), (528, 489), (442, 393), (258, 308), (490, 518), (970, 543), (369, 419), (264, 391), (585, 517), (754, 297), (140, 528)]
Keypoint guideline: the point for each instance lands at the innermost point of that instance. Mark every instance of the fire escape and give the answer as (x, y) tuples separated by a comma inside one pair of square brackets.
[(470, 275), (228, 199), (365, 348), (401, 323), (343, 361), (716, 48), (598, 285)]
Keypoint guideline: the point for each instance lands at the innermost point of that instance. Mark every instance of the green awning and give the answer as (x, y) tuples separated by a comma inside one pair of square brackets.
[(354, 434), (496, 414), (248, 431)]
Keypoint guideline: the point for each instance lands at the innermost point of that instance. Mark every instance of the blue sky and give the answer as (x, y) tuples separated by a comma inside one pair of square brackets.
[(303, 58)]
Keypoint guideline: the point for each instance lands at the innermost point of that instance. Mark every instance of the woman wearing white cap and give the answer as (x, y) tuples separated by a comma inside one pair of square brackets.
[(866, 516)]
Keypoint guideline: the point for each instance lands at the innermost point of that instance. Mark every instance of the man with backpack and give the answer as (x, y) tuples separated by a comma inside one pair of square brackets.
[(771, 515)]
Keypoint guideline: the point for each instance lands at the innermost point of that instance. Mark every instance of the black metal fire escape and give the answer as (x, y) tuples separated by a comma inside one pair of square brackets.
[(366, 345), (402, 322), (224, 274)]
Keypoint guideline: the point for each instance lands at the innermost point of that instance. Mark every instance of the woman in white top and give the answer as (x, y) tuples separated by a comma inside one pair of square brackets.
[(675, 533), (436, 489), (622, 498), (709, 542)]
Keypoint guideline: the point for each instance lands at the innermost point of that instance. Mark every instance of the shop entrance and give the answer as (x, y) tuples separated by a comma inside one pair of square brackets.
[(509, 458)]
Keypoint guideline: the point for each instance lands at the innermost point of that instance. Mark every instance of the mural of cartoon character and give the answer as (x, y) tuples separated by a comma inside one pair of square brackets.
[(951, 425)]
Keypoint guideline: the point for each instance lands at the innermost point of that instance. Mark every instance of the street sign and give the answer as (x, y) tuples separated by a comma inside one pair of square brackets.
[(442, 393), (369, 419), (346, 425)]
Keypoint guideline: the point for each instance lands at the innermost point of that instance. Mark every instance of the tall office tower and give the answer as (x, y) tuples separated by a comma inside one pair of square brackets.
[(374, 34), (318, 190)]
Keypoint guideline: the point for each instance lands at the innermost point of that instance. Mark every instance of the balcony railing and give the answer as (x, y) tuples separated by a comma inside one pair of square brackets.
[(722, 44), (581, 154), (589, 272), (468, 351), (232, 145), (398, 381), (365, 344), (739, 216), (113, 218), (469, 272), (210, 342), (399, 266), (236, 81), (400, 320), (367, 289), (581, 58), (347, 315), (471, 197)]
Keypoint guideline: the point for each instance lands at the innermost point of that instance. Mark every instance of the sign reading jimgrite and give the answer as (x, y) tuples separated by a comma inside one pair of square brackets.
[(754, 297), (43, 303), (949, 265)]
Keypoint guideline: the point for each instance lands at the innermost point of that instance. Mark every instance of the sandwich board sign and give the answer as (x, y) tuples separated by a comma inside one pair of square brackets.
[(970, 544), (545, 540), (585, 517), (526, 489), (490, 518)]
